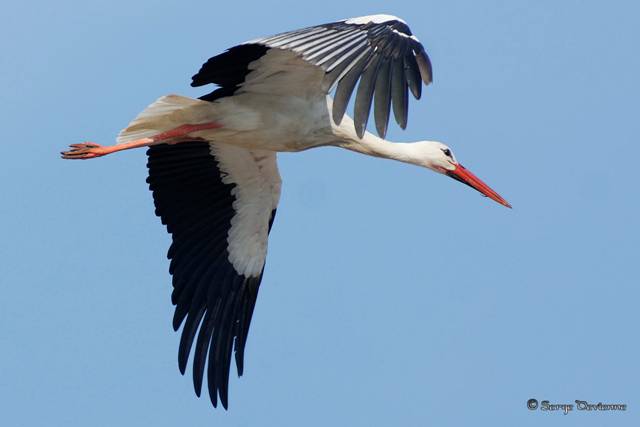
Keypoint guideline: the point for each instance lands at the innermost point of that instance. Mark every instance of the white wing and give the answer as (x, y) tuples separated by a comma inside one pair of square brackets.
[(379, 50)]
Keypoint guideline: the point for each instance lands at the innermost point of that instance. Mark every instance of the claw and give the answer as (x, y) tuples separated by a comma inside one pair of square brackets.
[(85, 145), (85, 150)]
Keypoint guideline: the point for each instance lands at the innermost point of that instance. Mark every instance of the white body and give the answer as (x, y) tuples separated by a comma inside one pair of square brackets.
[(281, 107)]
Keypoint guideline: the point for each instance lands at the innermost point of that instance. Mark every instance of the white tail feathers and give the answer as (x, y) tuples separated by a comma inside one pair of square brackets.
[(168, 112)]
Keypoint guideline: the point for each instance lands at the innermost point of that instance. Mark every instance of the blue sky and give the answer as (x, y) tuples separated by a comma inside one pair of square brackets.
[(392, 295)]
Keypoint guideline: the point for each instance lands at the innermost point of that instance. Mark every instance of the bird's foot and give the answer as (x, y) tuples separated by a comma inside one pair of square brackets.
[(85, 150)]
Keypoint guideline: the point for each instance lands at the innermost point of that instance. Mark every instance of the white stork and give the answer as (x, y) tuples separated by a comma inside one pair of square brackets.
[(212, 161)]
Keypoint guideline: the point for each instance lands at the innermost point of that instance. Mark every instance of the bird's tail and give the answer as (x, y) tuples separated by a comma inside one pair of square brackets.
[(166, 113)]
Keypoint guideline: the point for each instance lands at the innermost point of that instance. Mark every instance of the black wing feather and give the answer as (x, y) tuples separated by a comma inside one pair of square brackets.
[(382, 92), (365, 94), (399, 94), (228, 70), (412, 74), (390, 41), (345, 89), (197, 207)]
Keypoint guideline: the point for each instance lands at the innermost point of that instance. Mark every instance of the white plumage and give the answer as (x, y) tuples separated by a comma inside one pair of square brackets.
[(257, 192), (376, 19)]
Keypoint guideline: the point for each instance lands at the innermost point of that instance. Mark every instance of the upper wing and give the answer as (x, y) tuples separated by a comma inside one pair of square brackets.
[(380, 50), (218, 202)]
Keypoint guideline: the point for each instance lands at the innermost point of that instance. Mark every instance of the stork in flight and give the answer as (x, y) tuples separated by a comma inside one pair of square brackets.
[(213, 170)]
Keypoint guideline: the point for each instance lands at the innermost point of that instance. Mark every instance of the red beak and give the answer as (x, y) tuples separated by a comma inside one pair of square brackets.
[(460, 173)]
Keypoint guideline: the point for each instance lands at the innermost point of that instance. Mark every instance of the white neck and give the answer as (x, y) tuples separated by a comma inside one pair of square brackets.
[(371, 145)]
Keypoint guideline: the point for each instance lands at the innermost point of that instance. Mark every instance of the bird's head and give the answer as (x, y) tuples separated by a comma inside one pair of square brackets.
[(439, 158)]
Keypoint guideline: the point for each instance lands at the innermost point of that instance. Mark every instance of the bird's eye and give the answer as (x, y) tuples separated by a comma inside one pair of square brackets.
[(446, 152)]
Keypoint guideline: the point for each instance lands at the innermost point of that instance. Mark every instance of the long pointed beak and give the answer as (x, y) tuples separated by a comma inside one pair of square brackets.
[(462, 174)]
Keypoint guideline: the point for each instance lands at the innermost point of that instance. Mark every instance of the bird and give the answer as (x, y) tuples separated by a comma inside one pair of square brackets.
[(213, 169)]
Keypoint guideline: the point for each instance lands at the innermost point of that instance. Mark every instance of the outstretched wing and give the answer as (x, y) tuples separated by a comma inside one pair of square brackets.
[(379, 50), (218, 202)]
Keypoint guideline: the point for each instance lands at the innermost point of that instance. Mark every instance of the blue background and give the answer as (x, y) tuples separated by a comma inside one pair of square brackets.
[(392, 295)]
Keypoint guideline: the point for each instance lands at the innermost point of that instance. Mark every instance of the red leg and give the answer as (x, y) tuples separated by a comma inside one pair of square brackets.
[(90, 150)]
